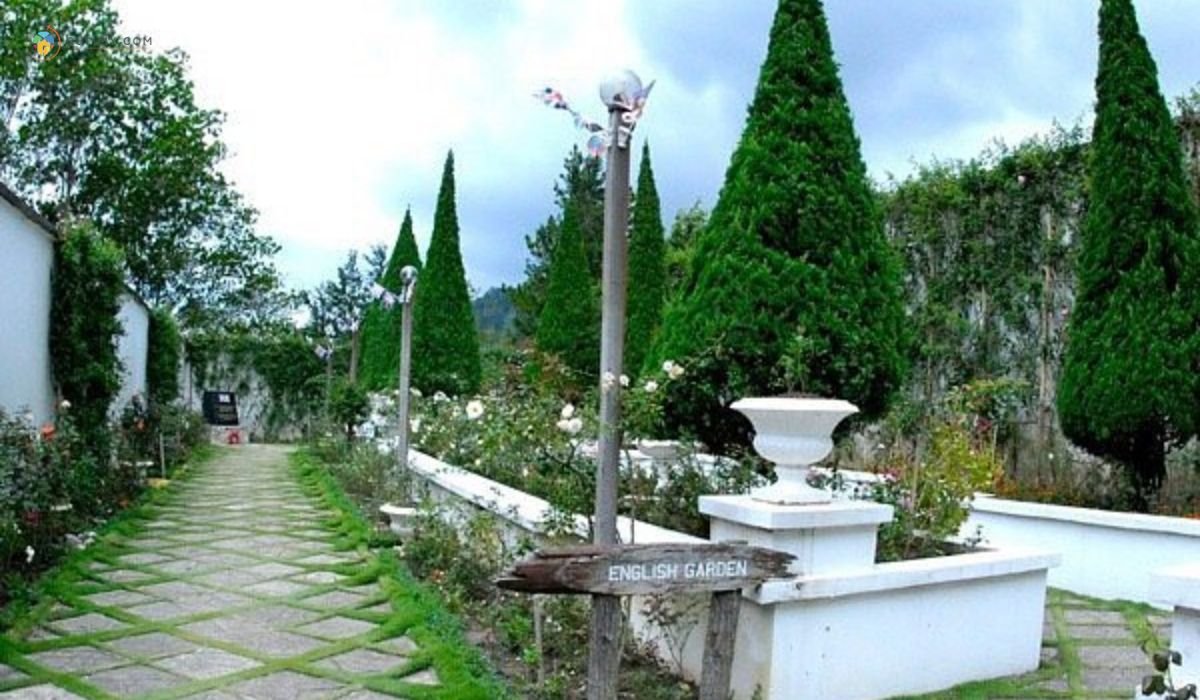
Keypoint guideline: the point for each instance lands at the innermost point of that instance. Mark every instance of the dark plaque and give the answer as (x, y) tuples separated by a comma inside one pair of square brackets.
[(220, 408)]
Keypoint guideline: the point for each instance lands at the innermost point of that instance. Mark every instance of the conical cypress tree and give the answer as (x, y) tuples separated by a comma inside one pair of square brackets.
[(381, 325), (569, 325), (647, 268), (795, 248), (445, 343), (1129, 380)]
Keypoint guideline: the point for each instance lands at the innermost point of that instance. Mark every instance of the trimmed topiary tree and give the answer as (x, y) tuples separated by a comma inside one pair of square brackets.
[(793, 271), (381, 325), (1129, 383), (445, 342), (164, 351), (647, 268), (569, 325), (88, 283)]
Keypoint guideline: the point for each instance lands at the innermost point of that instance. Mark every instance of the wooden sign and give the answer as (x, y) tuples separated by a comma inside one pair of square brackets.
[(645, 569), (220, 408)]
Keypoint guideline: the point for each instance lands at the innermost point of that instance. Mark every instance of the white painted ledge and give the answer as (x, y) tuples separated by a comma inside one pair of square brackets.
[(745, 510), (1177, 585), (1088, 516), (908, 574)]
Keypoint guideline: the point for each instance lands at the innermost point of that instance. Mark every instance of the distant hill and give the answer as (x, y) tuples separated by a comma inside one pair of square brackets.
[(494, 312)]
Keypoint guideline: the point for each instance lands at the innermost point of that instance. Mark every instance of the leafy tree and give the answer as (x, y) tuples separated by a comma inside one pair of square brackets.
[(580, 186), (794, 254), (445, 343), (569, 326), (381, 324), (116, 136), (682, 241), (337, 305), (165, 348), (647, 268), (1129, 386), (88, 284)]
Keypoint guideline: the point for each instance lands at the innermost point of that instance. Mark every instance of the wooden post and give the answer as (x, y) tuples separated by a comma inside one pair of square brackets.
[(719, 644), (604, 657)]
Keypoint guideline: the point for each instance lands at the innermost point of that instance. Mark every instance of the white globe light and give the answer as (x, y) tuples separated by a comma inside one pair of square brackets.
[(620, 88), (408, 274)]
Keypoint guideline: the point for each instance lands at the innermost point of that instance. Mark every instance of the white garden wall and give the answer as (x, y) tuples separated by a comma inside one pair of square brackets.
[(132, 349), (26, 260)]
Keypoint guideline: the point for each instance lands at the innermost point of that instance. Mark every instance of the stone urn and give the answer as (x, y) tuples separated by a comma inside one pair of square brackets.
[(794, 434), (402, 520), (662, 454)]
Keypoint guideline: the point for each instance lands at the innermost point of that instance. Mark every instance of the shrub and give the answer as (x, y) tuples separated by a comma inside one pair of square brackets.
[(162, 358)]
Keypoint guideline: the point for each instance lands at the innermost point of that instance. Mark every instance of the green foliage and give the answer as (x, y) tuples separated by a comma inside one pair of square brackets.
[(165, 349), (1129, 380), (647, 273), (1161, 684), (580, 187), (678, 258), (348, 405), (795, 244), (569, 326), (381, 325), (445, 343), (117, 136), (88, 283)]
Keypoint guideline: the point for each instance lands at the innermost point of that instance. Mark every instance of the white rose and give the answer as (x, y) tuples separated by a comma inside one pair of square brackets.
[(439, 397), (415, 425), (574, 426), (624, 380), (675, 372), (567, 411), (415, 392), (474, 409), (668, 366), (651, 386), (65, 405), (30, 552), (608, 380)]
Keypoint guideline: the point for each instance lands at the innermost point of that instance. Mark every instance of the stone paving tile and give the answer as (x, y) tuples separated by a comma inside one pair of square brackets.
[(398, 645), (1113, 679), (118, 598), (228, 578), (426, 677), (205, 663), (162, 610), (39, 692), (273, 570), (276, 589), (77, 659), (134, 680), (366, 695), (1093, 617), (335, 599), (8, 674), (1097, 656), (1107, 632), (336, 628), (362, 661), (277, 616), (151, 646), (319, 577), (124, 576), (143, 558), (85, 624), (287, 685)]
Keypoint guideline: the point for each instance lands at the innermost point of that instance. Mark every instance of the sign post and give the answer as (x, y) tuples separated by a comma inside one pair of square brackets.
[(612, 571)]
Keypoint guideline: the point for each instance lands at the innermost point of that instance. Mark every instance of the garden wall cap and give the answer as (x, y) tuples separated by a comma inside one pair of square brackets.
[(1177, 585), (790, 404)]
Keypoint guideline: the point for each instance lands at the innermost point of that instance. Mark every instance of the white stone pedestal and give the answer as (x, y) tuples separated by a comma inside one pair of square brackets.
[(1179, 586), (824, 538)]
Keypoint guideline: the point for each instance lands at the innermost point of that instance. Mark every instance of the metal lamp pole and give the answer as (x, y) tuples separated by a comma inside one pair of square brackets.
[(605, 635), (408, 278)]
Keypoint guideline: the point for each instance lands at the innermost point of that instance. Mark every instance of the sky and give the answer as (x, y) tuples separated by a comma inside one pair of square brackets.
[(340, 114)]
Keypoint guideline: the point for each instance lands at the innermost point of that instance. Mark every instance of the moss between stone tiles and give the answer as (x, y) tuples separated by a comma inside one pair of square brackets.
[(401, 606)]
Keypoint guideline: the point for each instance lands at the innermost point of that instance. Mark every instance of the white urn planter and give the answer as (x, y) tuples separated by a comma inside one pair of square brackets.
[(794, 433), (402, 520)]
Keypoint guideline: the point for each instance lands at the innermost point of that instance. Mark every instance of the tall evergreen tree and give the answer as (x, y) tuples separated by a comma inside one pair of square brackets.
[(445, 342), (381, 325), (794, 260), (1129, 385), (569, 325), (647, 268), (580, 186)]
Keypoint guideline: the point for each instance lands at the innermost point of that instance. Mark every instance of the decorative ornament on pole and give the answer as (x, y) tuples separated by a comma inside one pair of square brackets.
[(623, 91)]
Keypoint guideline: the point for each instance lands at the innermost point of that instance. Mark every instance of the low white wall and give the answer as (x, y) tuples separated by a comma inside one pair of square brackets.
[(1104, 554), (133, 346), (26, 261)]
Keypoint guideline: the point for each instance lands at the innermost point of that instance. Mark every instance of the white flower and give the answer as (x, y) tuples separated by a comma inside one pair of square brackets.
[(570, 426), (651, 386), (668, 366), (29, 554), (474, 409), (415, 392), (440, 397), (624, 380), (415, 425), (567, 411), (65, 405), (674, 371), (608, 380)]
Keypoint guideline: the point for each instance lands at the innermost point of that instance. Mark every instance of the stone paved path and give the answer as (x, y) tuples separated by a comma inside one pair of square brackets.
[(234, 590)]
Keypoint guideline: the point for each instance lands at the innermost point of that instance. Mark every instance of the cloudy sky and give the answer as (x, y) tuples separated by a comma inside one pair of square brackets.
[(340, 114)]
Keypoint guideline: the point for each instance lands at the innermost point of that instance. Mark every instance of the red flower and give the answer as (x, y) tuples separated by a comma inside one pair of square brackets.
[(32, 517), (48, 431)]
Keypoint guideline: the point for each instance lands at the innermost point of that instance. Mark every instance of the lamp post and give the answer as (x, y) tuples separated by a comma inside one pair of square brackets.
[(619, 94), (408, 281)]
